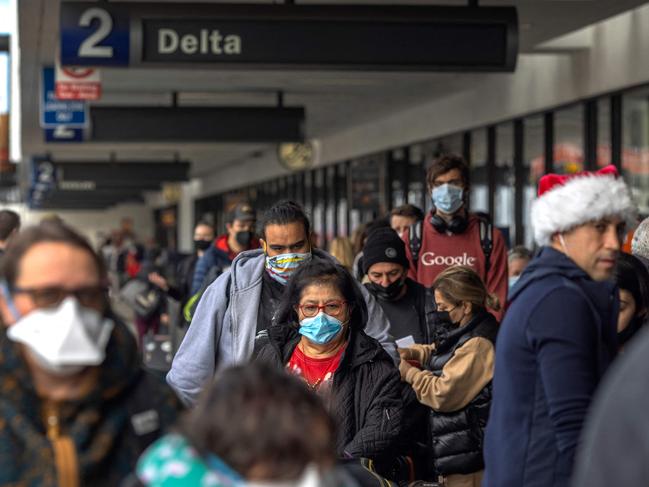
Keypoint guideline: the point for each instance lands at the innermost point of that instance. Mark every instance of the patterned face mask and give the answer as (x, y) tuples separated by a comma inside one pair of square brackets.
[(281, 267)]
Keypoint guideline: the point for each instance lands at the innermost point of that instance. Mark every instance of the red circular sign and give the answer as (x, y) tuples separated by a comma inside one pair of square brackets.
[(78, 72)]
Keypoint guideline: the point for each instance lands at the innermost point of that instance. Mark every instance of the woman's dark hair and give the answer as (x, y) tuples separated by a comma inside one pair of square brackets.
[(631, 275), (258, 416), (285, 212), (322, 271), (48, 231)]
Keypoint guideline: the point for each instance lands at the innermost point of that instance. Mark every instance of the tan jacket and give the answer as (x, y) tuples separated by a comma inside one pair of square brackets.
[(466, 373)]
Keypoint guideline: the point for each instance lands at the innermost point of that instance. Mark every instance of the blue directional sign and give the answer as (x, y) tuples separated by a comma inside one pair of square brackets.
[(63, 134), (54, 113), (91, 35)]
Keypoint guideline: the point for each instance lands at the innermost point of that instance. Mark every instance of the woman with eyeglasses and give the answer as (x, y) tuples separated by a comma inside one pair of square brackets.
[(453, 377), (319, 337), (75, 407)]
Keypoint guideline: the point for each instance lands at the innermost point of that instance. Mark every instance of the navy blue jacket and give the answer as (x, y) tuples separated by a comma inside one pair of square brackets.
[(557, 339), (211, 259)]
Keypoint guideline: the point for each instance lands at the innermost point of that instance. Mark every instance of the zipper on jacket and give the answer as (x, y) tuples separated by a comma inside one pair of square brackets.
[(66, 462), (386, 418)]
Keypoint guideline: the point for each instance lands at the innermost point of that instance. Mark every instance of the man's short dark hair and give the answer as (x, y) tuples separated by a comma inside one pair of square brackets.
[(409, 211), (9, 221), (447, 163), (283, 213)]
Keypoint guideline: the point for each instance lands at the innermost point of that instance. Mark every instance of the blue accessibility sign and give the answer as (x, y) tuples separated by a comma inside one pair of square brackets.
[(54, 113)]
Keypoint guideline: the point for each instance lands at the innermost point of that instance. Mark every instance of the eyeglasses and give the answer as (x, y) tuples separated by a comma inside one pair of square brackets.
[(332, 308), (48, 297)]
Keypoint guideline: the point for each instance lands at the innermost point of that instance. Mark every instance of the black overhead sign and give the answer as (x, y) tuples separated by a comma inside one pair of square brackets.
[(97, 184), (197, 124), (337, 37)]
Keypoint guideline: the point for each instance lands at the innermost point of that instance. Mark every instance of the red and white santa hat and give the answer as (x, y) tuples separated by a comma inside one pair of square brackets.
[(567, 201)]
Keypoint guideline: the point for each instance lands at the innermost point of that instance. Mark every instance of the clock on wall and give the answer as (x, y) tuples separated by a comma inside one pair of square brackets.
[(297, 156)]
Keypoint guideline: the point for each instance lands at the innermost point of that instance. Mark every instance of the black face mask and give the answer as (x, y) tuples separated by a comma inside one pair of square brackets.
[(243, 238), (390, 293), (202, 244), (443, 327)]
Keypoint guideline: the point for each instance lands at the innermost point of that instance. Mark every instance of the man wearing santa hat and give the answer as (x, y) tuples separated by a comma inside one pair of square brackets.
[(559, 333)]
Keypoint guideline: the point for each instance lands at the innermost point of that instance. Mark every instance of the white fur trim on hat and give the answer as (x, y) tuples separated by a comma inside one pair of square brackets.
[(580, 200)]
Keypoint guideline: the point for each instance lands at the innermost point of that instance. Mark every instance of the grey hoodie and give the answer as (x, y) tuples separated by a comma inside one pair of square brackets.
[(222, 332)]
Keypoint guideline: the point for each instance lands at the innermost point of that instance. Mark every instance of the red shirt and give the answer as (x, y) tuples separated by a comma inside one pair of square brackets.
[(221, 243), (315, 371), (441, 250)]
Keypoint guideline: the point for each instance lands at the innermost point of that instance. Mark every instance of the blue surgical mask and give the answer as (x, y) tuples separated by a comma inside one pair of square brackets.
[(448, 198), (281, 267), (320, 328), (513, 280)]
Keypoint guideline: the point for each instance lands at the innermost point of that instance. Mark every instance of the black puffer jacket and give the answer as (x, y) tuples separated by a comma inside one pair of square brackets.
[(457, 437), (366, 398)]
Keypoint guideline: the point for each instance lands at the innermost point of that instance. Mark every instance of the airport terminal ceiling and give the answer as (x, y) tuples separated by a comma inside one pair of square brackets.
[(333, 101)]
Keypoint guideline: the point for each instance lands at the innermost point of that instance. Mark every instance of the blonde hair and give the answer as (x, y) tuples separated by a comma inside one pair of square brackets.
[(341, 249), (459, 283)]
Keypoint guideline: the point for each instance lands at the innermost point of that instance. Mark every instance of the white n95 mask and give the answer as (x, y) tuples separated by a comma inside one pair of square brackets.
[(66, 339)]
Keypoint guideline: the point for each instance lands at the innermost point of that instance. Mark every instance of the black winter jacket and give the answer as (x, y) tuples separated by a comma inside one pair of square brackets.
[(366, 398), (457, 437)]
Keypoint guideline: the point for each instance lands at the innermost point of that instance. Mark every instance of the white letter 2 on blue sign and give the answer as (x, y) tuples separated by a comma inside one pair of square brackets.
[(89, 47)]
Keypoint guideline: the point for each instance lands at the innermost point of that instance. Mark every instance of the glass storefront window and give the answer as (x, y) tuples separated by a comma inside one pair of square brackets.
[(534, 163), (417, 191), (504, 198), (367, 188), (603, 132), (569, 140), (479, 181), (308, 194), (635, 145), (398, 165), (330, 173), (319, 210)]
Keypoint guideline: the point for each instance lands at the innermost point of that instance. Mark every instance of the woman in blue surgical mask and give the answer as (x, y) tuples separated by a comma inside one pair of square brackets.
[(319, 337)]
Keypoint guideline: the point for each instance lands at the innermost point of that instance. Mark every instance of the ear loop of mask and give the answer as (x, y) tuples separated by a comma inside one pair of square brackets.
[(563, 245), (4, 288)]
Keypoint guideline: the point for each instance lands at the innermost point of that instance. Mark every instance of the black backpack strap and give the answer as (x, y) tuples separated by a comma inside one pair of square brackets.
[(430, 310), (414, 241), (486, 240)]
